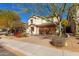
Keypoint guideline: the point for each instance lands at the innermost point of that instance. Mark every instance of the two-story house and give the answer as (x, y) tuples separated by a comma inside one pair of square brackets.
[(38, 25)]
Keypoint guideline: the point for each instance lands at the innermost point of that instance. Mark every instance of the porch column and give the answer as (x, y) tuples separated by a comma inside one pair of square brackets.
[(37, 30)]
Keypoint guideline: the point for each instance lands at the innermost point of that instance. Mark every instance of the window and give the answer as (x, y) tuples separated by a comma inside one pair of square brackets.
[(32, 28), (31, 21)]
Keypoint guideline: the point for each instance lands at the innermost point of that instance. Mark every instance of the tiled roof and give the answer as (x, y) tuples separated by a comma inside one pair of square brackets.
[(44, 25), (44, 17)]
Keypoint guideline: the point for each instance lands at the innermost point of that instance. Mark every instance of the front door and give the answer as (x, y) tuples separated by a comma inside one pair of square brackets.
[(32, 30)]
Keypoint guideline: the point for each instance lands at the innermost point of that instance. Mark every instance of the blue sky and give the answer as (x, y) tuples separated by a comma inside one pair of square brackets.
[(31, 8)]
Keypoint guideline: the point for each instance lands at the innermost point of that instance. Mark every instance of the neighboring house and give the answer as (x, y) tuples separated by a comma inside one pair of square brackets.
[(38, 25), (74, 25)]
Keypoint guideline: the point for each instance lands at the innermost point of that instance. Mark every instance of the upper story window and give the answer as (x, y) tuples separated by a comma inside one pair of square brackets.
[(31, 21)]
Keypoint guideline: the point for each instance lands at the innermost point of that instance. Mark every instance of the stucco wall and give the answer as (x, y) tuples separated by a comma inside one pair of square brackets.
[(36, 20), (35, 32)]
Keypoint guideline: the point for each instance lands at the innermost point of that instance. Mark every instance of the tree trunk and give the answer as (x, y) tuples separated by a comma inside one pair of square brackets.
[(60, 31), (60, 26)]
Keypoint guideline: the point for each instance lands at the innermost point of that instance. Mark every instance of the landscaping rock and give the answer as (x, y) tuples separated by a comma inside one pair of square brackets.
[(58, 41)]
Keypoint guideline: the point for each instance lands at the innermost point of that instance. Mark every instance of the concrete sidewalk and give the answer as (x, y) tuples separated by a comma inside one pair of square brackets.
[(29, 49)]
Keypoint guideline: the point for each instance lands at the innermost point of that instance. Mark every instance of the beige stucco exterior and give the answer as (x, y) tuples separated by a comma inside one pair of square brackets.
[(35, 32), (36, 21)]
